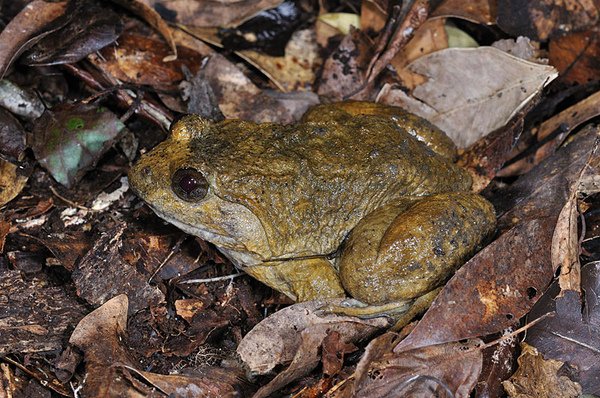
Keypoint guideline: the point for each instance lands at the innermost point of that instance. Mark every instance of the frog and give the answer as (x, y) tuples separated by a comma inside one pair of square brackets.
[(357, 199)]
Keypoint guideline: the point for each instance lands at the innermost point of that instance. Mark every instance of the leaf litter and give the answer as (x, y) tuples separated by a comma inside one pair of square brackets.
[(127, 61)]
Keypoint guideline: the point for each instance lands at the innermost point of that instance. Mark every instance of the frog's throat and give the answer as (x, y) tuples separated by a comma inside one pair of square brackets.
[(240, 257)]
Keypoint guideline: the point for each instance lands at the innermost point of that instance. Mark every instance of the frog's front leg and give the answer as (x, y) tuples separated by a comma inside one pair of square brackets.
[(300, 279), (400, 253)]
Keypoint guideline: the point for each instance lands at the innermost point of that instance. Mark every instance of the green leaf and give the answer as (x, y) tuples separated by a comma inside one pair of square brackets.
[(69, 139)]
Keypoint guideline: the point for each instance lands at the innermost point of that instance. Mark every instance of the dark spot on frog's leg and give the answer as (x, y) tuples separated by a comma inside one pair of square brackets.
[(531, 292), (509, 316), (413, 266)]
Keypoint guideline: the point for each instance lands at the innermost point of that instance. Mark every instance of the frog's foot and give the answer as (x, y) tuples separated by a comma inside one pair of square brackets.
[(402, 312), (300, 279)]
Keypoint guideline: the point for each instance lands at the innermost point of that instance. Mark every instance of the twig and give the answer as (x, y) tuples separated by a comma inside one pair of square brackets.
[(215, 279)]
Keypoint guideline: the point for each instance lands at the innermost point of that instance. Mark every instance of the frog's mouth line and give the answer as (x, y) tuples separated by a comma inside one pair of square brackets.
[(226, 244)]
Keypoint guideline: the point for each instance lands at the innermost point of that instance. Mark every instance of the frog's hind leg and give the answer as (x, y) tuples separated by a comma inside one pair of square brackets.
[(396, 253)]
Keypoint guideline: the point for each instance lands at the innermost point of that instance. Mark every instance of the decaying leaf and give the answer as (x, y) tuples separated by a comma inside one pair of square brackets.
[(553, 131), (204, 382), (239, 98), (343, 70), (154, 19), (69, 139), (110, 369), (139, 60), (294, 335), (99, 336), (27, 27), (543, 19), (210, 12), (537, 377), (12, 138), (571, 335), (430, 37), (450, 368), (472, 91), (481, 11), (34, 314), (517, 265), (91, 26), (101, 272), (575, 56)]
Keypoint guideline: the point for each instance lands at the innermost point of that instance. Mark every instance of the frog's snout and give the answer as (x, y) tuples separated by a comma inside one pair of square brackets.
[(140, 177)]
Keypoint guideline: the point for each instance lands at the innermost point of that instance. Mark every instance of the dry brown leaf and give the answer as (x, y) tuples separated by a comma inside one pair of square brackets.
[(101, 272), (563, 123), (543, 19), (21, 31), (373, 14), (485, 157), (333, 351), (571, 334), (343, 70), (204, 382), (430, 37), (187, 308), (473, 91), (99, 335), (139, 60), (478, 11), (537, 377), (276, 340), (239, 98), (565, 246), (576, 56), (517, 266), (154, 19)]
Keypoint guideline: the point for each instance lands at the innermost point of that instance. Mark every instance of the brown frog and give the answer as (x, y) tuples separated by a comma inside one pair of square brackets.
[(357, 198)]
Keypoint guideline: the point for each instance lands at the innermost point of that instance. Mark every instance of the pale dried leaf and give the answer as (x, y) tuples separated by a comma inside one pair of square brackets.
[(11, 182), (276, 340), (565, 247), (341, 21), (108, 321), (471, 92), (224, 13)]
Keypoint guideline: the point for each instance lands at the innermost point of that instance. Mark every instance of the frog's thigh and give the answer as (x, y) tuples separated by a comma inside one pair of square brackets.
[(391, 256), (301, 280)]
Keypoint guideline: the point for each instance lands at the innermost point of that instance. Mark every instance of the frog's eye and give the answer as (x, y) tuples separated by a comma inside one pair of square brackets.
[(189, 184)]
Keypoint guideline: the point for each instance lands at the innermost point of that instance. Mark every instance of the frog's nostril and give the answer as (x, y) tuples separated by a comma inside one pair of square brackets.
[(189, 184), (147, 171)]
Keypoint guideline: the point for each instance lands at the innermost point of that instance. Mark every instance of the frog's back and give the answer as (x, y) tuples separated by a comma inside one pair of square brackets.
[(311, 183)]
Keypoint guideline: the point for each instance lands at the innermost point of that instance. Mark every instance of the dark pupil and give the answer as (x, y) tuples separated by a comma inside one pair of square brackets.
[(189, 184)]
